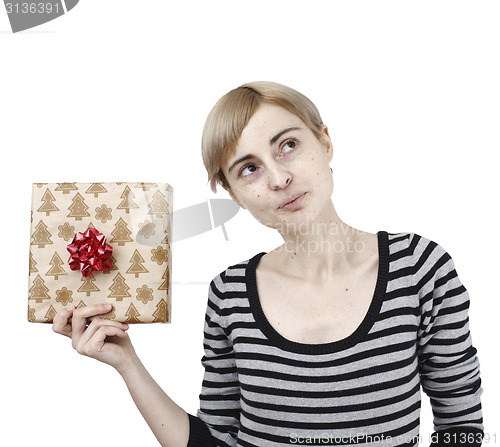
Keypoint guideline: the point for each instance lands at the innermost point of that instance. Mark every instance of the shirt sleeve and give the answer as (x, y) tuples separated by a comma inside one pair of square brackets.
[(218, 419), (448, 364)]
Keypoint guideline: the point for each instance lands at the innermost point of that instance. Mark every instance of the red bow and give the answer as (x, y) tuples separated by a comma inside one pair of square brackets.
[(89, 252)]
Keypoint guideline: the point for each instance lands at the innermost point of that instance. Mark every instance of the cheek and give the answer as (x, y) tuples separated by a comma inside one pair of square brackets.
[(321, 178), (317, 169), (251, 198), (259, 205)]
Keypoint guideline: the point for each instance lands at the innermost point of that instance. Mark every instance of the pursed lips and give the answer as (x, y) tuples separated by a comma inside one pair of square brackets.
[(291, 200)]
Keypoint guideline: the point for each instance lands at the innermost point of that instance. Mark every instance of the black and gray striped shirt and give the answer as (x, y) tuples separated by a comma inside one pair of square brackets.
[(260, 389)]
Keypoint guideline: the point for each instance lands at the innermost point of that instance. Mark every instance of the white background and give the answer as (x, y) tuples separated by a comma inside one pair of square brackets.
[(118, 90)]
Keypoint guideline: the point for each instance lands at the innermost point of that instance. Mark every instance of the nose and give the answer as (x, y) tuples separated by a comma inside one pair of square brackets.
[(278, 176)]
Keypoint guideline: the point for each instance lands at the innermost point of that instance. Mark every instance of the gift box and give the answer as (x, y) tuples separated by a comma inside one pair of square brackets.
[(101, 243)]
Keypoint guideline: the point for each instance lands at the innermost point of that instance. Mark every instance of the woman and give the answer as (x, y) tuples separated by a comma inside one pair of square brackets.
[(324, 340)]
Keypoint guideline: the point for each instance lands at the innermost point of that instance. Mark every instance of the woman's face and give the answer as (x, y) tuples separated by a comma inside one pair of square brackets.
[(280, 170)]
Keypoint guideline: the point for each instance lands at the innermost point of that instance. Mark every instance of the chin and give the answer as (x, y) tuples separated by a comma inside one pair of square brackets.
[(292, 223)]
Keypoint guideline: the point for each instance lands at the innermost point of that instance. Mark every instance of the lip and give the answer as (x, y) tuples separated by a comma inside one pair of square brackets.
[(292, 202)]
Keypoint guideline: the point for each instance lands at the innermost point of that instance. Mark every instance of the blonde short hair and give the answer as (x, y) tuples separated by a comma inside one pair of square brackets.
[(231, 113)]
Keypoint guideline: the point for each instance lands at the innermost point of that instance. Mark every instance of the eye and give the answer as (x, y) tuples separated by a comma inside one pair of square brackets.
[(288, 146), (247, 169)]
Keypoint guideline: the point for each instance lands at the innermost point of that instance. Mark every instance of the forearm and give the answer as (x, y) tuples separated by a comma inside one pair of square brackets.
[(168, 421)]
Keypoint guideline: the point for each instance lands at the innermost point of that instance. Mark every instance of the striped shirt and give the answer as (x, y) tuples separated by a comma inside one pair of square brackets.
[(261, 390)]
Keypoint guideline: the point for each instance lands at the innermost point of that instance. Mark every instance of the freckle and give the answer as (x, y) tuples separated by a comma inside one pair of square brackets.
[(258, 195), (346, 290)]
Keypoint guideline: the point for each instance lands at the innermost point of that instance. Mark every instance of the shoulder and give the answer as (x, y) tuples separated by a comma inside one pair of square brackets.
[(415, 249), (233, 281), (228, 291), (418, 261)]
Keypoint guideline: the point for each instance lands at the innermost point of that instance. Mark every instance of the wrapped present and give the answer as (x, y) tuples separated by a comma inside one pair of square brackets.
[(101, 243)]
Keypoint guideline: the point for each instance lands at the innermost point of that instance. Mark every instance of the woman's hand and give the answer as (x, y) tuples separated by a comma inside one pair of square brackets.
[(101, 339)]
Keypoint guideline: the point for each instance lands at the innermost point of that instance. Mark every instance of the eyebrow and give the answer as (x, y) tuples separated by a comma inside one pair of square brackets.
[(278, 135), (246, 157), (271, 142)]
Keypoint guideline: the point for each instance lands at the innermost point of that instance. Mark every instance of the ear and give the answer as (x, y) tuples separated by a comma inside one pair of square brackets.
[(327, 142), (228, 189)]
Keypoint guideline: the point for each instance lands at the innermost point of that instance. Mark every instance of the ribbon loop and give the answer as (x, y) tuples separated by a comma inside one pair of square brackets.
[(89, 252)]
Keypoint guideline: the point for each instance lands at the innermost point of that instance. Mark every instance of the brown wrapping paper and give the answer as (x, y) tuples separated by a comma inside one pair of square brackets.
[(136, 219)]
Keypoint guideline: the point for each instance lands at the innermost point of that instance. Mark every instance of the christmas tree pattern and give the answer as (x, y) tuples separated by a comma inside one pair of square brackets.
[(60, 210), (41, 236), (132, 314), (113, 266), (64, 296), (78, 208), (137, 266), (88, 285), (121, 233), (145, 186), (66, 187), (161, 313), (165, 240), (81, 304), (38, 291), (158, 206), (33, 268), (56, 270), (166, 276), (47, 206), (96, 189), (119, 288), (127, 201), (144, 294), (51, 313)]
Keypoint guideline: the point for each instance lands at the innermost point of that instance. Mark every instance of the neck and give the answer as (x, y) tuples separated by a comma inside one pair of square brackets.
[(322, 248)]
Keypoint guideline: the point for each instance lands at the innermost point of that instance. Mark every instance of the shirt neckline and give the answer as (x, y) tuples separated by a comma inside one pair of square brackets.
[(322, 348)]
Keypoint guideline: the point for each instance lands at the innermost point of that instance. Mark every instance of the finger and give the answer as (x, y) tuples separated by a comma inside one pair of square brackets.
[(98, 341), (98, 323), (79, 321), (61, 323)]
